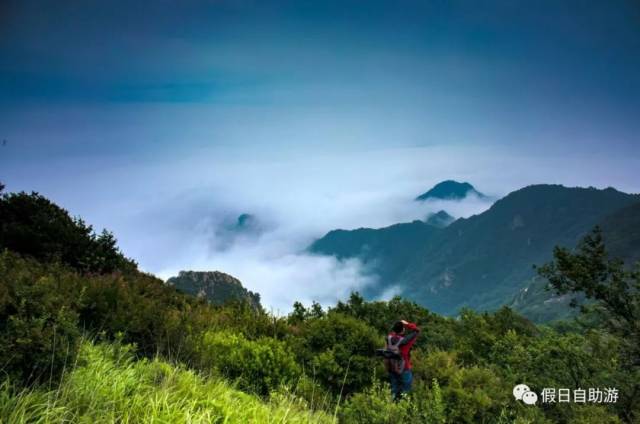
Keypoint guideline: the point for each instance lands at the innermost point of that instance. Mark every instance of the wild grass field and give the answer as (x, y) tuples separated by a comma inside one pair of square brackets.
[(107, 384)]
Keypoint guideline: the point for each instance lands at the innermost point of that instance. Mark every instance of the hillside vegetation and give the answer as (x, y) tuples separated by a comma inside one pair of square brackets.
[(98, 343), (107, 384)]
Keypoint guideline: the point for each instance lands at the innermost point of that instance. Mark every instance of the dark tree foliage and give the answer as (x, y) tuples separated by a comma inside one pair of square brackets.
[(616, 292), (381, 315), (38, 318), (44, 307), (32, 225), (616, 289), (337, 350)]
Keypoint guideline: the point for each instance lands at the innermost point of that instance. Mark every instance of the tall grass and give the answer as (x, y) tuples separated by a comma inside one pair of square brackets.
[(107, 385)]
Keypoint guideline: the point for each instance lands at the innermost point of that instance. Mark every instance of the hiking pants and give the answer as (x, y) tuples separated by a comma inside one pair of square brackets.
[(401, 383)]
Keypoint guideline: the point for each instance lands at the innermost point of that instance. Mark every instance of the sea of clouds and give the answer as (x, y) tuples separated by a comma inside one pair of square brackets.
[(173, 213), (294, 200)]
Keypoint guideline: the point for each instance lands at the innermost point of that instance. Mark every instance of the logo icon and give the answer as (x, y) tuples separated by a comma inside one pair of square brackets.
[(523, 392), (530, 398), (520, 390)]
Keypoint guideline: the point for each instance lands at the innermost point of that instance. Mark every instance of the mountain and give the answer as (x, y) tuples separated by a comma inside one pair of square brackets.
[(486, 260), (440, 219), (216, 287), (247, 222), (245, 226), (621, 232), (449, 190), (385, 252)]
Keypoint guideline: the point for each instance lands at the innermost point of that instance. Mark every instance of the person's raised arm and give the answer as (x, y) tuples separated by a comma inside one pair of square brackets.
[(412, 334)]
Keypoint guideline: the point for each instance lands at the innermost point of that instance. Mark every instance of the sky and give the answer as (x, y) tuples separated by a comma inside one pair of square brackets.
[(163, 121)]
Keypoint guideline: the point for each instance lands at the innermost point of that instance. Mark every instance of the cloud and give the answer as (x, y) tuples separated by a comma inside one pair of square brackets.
[(167, 213), (295, 200)]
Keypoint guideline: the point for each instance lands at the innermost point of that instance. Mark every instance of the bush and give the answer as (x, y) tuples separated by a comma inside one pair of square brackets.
[(338, 351), (43, 306), (438, 365), (475, 395), (38, 318), (150, 314), (257, 365), (374, 406)]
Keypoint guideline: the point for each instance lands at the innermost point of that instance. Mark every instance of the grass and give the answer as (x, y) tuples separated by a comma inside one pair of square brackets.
[(107, 385)]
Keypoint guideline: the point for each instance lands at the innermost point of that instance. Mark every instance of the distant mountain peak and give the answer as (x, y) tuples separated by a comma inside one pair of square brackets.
[(214, 286), (246, 221), (449, 190), (439, 219)]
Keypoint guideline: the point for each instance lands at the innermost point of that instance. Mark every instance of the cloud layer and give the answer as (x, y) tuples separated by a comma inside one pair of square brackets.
[(168, 212)]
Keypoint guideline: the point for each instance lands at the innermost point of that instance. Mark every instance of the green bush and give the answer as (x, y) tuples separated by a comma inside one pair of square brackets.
[(38, 318), (252, 322), (257, 365), (438, 365), (44, 306), (150, 314), (475, 395), (338, 351), (374, 406)]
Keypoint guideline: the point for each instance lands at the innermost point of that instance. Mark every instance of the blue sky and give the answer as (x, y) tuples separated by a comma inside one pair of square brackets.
[(160, 120)]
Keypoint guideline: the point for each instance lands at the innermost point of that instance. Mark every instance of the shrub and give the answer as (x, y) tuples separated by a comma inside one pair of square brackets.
[(338, 350), (259, 365), (43, 306), (374, 406), (154, 316), (438, 365), (38, 318), (475, 395)]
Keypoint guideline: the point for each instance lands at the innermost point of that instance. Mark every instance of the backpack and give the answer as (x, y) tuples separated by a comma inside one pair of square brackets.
[(393, 360)]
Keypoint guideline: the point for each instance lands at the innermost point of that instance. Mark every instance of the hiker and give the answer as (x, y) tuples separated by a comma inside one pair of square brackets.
[(399, 343)]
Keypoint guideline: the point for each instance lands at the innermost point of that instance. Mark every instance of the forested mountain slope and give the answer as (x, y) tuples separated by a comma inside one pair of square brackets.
[(485, 260)]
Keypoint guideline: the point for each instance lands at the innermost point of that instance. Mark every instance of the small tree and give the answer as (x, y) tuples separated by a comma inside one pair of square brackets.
[(615, 289), (616, 292)]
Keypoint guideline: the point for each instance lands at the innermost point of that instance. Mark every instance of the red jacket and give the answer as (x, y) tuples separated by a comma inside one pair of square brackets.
[(408, 339)]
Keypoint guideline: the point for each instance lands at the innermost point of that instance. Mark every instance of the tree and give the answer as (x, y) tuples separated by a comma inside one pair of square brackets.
[(32, 225), (299, 313), (616, 293), (590, 271)]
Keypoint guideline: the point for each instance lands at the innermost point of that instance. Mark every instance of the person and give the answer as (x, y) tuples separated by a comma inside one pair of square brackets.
[(401, 339)]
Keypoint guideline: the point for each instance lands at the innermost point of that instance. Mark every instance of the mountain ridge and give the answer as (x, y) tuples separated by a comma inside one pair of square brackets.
[(483, 261)]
